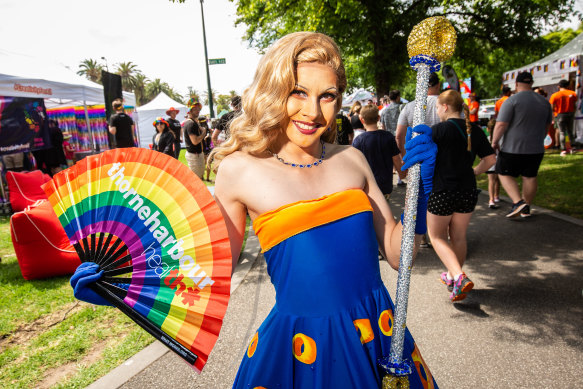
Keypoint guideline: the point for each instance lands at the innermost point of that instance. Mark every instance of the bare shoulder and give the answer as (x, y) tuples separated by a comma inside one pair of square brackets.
[(238, 174), (231, 173)]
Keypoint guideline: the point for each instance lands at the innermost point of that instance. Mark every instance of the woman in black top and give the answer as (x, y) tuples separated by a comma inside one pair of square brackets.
[(163, 140), (354, 116), (454, 195)]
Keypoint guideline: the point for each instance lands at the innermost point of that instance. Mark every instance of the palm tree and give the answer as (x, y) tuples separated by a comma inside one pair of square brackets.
[(127, 70), (140, 84), (154, 88), (206, 97), (90, 69), (174, 95)]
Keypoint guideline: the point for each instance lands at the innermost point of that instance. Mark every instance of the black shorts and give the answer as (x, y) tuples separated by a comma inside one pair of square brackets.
[(448, 202), (565, 122), (515, 165)]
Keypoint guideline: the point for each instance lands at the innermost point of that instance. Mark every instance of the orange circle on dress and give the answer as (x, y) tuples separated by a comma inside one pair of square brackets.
[(308, 354), (386, 322), (253, 345), (366, 334), (422, 370)]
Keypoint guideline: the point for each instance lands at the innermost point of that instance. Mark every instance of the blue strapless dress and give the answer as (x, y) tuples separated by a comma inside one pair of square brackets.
[(333, 317)]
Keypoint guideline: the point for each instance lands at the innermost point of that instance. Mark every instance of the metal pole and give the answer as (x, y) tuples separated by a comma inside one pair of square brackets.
[(206, 62)]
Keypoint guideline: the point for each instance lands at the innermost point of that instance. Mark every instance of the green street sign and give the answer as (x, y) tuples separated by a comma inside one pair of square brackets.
[(217, 61)]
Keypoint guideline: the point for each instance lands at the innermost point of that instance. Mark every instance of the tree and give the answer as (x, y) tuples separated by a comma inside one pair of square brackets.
[(173, 94), (373, 34), (90, 69), (154, 88), (205, 95), (224, 102), (140, 84), (127, 71), (487, 74)]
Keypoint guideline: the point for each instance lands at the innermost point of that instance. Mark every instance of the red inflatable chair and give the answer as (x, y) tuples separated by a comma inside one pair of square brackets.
[(25, 188), (41, 245)]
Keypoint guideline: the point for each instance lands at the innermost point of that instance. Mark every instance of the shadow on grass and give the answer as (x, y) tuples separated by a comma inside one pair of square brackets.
[(11, 277)]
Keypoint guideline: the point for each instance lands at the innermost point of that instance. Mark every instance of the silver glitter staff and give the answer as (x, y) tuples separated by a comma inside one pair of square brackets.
[(432, 41)]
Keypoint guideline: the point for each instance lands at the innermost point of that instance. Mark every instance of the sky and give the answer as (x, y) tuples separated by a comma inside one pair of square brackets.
[(162, 38)]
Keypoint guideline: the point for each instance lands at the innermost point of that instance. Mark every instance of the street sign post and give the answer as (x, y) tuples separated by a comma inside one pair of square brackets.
[(217, 61)]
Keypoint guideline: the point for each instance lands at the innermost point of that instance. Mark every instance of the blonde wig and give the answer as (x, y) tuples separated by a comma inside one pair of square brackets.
[(453, 99), (264, 114)]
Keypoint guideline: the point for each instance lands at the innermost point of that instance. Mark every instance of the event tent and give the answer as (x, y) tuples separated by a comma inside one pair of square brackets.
[(361, 95), (563, 64), (26, 76), (147, 113)]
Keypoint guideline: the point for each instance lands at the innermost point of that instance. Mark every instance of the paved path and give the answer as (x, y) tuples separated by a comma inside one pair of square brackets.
[(521, 327)]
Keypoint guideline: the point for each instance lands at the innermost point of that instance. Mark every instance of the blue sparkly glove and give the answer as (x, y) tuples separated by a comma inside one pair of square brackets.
[(422, 150), (86, 274)]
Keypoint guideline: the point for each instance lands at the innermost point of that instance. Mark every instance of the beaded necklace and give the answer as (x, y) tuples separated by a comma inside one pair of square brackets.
[(316, 163)]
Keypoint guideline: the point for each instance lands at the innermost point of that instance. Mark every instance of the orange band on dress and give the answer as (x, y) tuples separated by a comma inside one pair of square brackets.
[(275, 226)]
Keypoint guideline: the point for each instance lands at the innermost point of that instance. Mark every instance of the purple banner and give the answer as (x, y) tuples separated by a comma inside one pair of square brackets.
[(23, 125)]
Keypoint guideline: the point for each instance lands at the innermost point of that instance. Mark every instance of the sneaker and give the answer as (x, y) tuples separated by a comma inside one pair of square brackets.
[(424, 244), (446, 281), (516, 209), (496, 199), (563, 153), (493, 205), (525, 211), (461, 287), (402, 183)]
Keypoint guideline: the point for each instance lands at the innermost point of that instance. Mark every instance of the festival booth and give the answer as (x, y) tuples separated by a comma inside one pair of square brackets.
[(361, 95), (563, 64), (72, 100), (147, 113)]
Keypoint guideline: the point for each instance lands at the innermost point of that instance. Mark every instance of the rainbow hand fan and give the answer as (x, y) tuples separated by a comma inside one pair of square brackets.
[(154, 229)]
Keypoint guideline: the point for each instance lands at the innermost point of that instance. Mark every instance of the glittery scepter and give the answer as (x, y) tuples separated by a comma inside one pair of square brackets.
[(432, 41)]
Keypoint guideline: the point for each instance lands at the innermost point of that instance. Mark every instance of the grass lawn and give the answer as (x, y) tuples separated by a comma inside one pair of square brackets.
[(560, 184), (48, 338)]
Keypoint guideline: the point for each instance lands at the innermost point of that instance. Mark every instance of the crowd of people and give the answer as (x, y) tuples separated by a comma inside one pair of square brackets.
[(200, 135), (316, 185)]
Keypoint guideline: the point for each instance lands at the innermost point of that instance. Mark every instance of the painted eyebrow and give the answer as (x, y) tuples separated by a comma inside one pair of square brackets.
[(303, 87)]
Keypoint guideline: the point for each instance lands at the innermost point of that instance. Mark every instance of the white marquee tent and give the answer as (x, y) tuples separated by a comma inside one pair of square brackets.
[(26, 76), (548, 71), (147, 113)]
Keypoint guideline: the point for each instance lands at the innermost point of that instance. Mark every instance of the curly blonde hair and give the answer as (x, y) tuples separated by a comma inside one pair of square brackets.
[(264, 114)]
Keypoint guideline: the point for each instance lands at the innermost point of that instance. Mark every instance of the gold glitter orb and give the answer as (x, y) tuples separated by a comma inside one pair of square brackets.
[(392, 382), (435, 37)]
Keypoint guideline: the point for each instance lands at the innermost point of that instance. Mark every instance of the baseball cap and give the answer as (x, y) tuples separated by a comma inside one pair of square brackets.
[(524, 77)]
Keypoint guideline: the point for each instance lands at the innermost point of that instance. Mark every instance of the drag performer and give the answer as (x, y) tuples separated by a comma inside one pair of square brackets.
[(320, 219)]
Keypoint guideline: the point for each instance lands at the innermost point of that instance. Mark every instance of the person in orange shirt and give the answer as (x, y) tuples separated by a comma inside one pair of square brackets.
[(563, 103), (474, 108), (506, 92)]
